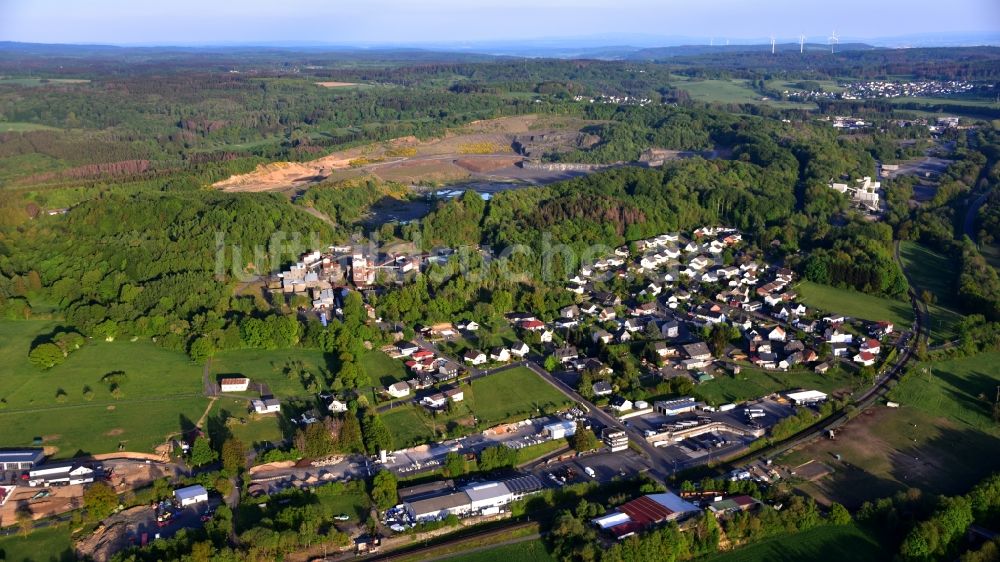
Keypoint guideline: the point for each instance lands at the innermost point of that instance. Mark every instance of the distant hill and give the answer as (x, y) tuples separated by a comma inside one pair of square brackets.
[(661, 53)]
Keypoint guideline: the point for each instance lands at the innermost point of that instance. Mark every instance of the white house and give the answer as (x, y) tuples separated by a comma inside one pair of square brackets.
[(336, 406), (620, 404), (474, 357), (398, 390), (546, 336), (777, 334), (266, 406), (519, 349), (500, 354), (865, 358)]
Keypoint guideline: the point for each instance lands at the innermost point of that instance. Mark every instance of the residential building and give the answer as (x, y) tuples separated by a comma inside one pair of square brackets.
[(266, 406), (398, 390), (474, 357)]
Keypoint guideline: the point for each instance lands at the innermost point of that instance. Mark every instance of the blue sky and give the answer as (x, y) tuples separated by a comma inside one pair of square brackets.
[(455, 21)]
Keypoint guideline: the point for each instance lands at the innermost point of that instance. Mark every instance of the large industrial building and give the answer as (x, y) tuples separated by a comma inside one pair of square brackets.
[(644, 512), (485, 498), (21, 459)]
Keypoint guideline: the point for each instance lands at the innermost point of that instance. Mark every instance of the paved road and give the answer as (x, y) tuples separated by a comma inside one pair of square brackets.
[(973, 212)]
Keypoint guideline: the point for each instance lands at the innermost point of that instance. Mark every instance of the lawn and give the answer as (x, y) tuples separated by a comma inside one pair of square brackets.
[(407, 426), (413, 425), (929, 270), (753, 383), (162, 394), (352, 501), (854, 304), (821, 544), (942, 422), (382, 369), (511, 395), (42, 545), (527, 551)]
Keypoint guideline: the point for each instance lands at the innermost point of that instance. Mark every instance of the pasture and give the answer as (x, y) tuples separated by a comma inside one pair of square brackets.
[(21, 127), (732, 91), (161, 392), (931, 271), (855, 305), (41, 545), (822, 544), (943, 420), (527, 551)]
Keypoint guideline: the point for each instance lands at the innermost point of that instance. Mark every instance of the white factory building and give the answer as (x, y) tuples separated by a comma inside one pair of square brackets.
[(485, 498), (560, 429)]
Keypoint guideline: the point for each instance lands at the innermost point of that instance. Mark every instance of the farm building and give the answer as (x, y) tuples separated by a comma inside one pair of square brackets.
[(191, 495), (21, 459), (234, 384)]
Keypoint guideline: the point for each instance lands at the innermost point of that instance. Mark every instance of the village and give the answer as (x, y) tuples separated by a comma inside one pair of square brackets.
[(652, 324)]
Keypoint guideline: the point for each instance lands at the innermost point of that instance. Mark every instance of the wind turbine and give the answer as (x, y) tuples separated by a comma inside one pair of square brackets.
[(772, 44), (802, 43), (833, 40)]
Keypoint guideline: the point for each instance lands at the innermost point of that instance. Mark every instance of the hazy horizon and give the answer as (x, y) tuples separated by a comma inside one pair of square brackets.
[(451, 22)]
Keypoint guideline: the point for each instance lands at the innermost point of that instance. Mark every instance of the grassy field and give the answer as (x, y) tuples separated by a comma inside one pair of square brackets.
[(753, 383), (162, 394), (792, 85), (17, 127), (511, 395), (942, 422), (269, 366), (732, 91), (821, 544), (382, 369), (855, 304), (408, 426), (352, 502), (52, 544), (929, 270), (527, 551)]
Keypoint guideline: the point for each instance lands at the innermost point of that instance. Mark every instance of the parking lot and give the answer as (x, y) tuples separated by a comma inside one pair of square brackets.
[(716, 444), (425, 457), (605, 465)]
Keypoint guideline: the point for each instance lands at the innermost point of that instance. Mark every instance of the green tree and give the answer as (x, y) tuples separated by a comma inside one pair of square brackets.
[(383, 492), (839, 515), (314, 441), (234, 458), (350, 440), (376, 434), (100, 500), (455, 465), (551, 363), (46, 356), (202, 452), (201, 349), (584, 440)]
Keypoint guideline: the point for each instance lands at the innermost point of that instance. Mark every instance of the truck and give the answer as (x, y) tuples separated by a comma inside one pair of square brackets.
[(727, 407), (590, 472)]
